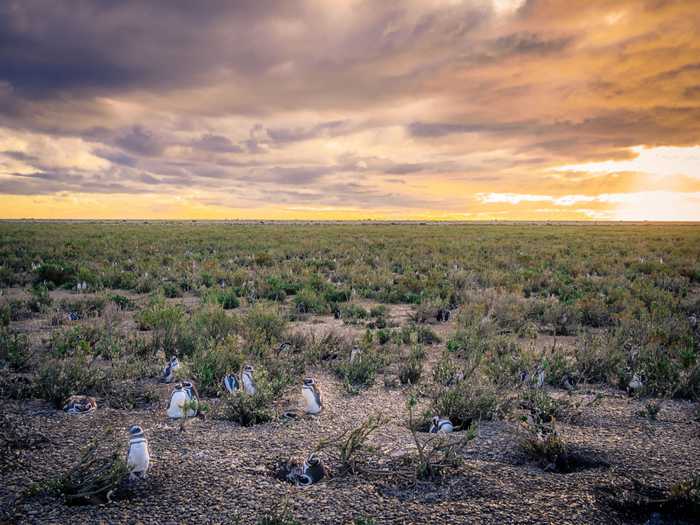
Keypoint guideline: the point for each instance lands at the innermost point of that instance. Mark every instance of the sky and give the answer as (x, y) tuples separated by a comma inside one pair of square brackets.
[(350, 109)]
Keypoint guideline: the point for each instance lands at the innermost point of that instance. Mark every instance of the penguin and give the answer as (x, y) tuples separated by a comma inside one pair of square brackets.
[(284, 347), (524, 376), (247, 380), (314, 471), (231, 383), (443, 315), (73, 316), (169, 370), (312, 396), (441, 425), (191, 391), (355, 353), (635, 384), (568, 384), (304, 474), (137, 458), (80, 404), (539, 379), (178, 398)]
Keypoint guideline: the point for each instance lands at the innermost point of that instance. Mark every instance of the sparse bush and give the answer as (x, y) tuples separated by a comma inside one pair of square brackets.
[(210, 364), (263, 326), (60, 378), (465, 403), (359, 373), (15, 351)]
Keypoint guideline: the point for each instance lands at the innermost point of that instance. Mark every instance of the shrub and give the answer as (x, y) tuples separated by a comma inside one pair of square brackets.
[(227, 298), (210, 364), (411, 368), (263, 326), (15, 351), (465, 403), (359, 373), (60, 378), (248, 410), (55, 273), (308, 301)]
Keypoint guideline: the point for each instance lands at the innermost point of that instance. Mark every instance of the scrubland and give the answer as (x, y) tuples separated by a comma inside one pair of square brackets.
[(459, 321)]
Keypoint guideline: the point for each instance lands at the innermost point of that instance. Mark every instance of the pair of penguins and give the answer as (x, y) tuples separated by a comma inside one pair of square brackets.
[(309, 390)]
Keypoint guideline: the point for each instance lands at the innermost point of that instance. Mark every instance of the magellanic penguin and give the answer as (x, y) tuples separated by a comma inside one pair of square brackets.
[(304, 474), (312, 396), (178, 399), (191, 390), (137, 459), (169, 370), (283, 348), (441, 425), (540, 377), (314, 471), (635, 384), (231, 383), (80, 404), (247, 380), (355, 353)]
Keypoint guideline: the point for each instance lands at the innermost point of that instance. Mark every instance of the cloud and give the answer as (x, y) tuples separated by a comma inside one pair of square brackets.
[(467, 107)]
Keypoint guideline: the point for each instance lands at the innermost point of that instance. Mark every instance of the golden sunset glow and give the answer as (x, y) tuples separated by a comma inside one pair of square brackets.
[(425, 109)]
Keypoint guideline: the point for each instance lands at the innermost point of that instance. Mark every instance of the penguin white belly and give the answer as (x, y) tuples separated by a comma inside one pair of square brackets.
[(177, 401), (248, 385), (312, 407), (445, 428), (139, 458)]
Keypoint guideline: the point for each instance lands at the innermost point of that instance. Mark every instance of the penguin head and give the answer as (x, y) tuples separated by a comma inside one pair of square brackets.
[(248, 369), (178, 386), (135, 430), (173, 359), (312, 460), (309, 381), (284, 347), (186, 384), (436, 420)]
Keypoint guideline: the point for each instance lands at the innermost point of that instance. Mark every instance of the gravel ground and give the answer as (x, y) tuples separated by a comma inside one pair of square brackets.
[(216, 470)]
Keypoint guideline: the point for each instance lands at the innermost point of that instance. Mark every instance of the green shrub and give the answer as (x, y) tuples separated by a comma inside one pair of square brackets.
[(227, 298), (55, 273), (308, 301), (465, 403), (209, 365), (359, 373), (60, 378), (15, 351), (248, 410), (263, 326)]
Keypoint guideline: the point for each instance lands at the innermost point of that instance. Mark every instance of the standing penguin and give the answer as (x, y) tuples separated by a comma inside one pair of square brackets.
[(312, 396), (248, 381), (137, 459), (231, 383), (178, 399), (169, 370), (539, 378), (355, 353), (441, 425), (191, 390)]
